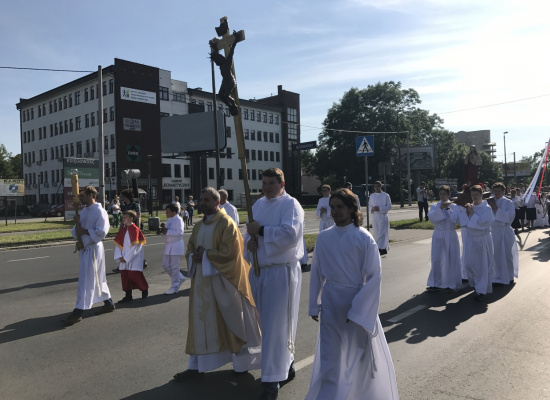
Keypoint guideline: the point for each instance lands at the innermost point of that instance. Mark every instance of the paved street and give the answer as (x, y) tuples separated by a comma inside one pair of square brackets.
[(444, 345)]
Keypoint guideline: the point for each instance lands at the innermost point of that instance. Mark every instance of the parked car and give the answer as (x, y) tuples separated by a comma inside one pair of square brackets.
[(38, 209), (21, 211), (57, 211)]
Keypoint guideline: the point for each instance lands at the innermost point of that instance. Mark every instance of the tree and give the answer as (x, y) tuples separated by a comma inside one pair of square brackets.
[(384, 108), (6, 168), (16, 162)]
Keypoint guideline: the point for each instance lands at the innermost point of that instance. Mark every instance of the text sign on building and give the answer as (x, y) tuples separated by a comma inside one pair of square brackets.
[(304, 146), (131, 124), (175, 184), (12, 187), (364, 146), (141, 96), (133, 153)]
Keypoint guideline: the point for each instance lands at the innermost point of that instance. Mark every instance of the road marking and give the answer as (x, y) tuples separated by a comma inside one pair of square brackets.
[(406, 314), (26, 259), (425, 241), (304, 363)]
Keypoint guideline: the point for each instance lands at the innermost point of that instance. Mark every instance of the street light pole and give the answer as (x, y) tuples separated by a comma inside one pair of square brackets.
[(149, 197), (505, 166)]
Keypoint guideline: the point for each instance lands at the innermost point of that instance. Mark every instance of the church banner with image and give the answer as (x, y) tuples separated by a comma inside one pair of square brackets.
[(88, 175)]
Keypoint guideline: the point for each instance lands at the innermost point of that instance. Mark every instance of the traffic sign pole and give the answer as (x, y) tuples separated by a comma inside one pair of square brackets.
[(367, 191)]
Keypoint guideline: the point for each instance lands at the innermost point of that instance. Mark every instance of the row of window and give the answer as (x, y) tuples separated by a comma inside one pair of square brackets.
[(66, 101), (266, 156), (41, 178), (68, 150), (253, 135), (257, 116), (69, 125)]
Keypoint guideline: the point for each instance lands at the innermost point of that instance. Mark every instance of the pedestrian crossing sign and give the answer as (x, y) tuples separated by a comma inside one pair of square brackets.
[(364, 146)]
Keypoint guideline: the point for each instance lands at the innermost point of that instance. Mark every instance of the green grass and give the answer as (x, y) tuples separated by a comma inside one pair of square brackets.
[(413, 224), (310, 241), (34, 226), (43, 237)]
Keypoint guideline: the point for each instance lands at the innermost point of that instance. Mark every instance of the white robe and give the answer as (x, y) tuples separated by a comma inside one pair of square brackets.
[(445, 254), (231, 210), (540, 221), (326, 217), (133, 255), (504, 242), (174, 236), (277, 290), (478, 249), (352, 359), (380, 221), (92, 281)]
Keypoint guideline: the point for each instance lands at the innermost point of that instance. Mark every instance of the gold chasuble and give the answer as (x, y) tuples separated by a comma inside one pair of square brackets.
[(222, 313)]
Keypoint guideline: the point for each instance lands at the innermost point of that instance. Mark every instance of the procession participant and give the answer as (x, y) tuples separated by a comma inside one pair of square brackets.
[(516, 201), (323, 209), (92, 225), (191, 210), (445, 256), (379, 205), (504, 240), (422, 198), (478, 244), (129, 244), (349, 186), (277, 236), (174, 248), (522, 208), (130, 203), (115, 209), (229, 208), (530, 210), (352, 360), (223, 320), (177, 203)]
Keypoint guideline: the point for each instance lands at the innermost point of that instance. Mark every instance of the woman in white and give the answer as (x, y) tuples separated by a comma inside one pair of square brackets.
[(352, 359), (323, 209)]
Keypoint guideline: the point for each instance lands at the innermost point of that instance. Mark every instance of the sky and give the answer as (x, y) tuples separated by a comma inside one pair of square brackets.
[(477, 64)]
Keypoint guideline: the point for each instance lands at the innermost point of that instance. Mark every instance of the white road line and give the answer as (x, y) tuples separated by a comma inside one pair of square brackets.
[(26, 259), (406, 314), (425, 241), (304, 363)]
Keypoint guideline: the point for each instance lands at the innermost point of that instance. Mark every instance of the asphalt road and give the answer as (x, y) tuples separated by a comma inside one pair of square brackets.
[(444, 345)]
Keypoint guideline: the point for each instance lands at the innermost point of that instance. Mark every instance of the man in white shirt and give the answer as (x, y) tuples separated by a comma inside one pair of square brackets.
[(174, 249), (277, 236), (177, 203), (229, 208)]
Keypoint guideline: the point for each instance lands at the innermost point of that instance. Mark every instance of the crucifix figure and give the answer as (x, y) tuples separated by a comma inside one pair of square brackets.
[(228, 43)]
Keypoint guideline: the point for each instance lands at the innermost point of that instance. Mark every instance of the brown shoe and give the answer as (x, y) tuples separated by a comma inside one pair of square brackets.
[(107, 308), (71, 320)]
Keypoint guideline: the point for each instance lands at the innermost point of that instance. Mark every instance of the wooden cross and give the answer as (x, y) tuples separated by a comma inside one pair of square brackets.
[(225, 43)]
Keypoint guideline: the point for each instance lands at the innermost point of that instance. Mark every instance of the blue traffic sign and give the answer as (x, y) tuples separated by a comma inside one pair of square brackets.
[(364, 146)]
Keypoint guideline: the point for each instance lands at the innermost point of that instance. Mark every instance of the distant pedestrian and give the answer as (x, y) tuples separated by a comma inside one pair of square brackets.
[(379, 206), (229, 208), (174, 249), (422, 198), (190, 210), (115, 209), (323, 209), (177, 203)]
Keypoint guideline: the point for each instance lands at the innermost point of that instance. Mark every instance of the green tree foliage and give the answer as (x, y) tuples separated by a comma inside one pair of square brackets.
[(6, 164), (17, 166)]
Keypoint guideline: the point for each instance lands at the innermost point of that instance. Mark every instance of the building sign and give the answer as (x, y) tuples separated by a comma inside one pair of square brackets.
[(446, 181), (420, 158), (131, 124), (141, 96), (304, 146), (133, 152), (175, 184), (12, 187)]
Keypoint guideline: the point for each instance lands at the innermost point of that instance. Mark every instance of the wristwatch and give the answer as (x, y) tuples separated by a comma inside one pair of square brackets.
[(261, 231)]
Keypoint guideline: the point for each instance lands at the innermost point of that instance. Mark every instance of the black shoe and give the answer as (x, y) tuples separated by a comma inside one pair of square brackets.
[(117, 270), (188, 375), (512, 282), (268, 395), (432, 289), (479, 297), (306, 267), (498, 284), (107, 308), (125, 299), (291, 376), (144, 294), (240, 373), (71, 320), (145, 264), (382, 251)]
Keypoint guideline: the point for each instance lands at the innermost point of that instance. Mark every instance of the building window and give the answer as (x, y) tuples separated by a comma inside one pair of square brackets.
[(291, 115), (254, 174), (51, 111), (253, 155), (72, 149), (292, 131), (277, 138), (111, 113), (260, 155), (87, 146), (64, 102), (247, 154), (211, 173), (164, 93), (113, 169), (209, 106), (270, 118), (272, 156), (56, 129), (259, 136), (265, 117), (228, 131), (178, 97), (94, 149), (167, 170), (104, 88), (258, 116), (105, 116), (230, 173), (76, 99), (86, 120), (252, 115), (265, 136), (54, 107), (186, 171), (177, 170), (86, 95), (71, 125), (271, 137), (240, 174), (245, 113), (228, 152), (246, 135), (277, 157), (92, 93), (266, 155), (253, 135), (111, 85), (78, 149), (163, 114), (77, 122), (112, 141)]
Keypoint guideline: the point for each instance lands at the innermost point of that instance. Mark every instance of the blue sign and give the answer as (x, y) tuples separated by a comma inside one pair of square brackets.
[(364, 146)]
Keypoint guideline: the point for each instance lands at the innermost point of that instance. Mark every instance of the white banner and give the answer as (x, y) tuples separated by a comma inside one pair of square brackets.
[(141, 96)]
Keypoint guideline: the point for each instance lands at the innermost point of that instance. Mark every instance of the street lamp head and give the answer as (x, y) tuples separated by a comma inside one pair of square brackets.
[(505, 133)]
